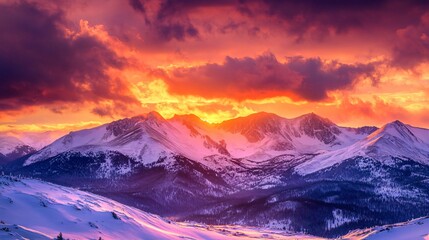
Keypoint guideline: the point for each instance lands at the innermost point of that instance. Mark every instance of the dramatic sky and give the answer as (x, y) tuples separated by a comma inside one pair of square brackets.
[(72, 64)]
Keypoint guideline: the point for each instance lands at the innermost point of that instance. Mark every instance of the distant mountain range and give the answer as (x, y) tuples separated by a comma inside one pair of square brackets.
[(12, 148), (305, 174), (17, 144)]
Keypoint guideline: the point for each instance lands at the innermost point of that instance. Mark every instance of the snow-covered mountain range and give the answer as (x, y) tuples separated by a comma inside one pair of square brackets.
[(261, 170), (258, 137)]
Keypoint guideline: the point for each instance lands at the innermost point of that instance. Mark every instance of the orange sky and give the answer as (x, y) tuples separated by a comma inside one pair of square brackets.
[(77, 64)]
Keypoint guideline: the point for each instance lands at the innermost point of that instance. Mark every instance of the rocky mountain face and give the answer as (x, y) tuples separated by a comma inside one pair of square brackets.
[(305, 174)]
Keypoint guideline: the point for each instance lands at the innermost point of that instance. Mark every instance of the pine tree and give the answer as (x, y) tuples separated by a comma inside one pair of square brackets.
[(60, 237), (115, 216)]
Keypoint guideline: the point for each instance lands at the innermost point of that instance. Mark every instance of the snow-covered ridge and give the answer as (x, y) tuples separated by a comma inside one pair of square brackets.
[(415, 229), (257, 137), (394, 139), (32, 209)]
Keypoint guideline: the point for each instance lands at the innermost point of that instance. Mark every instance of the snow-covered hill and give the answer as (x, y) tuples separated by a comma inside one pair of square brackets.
[(32, 209), (417, 229)]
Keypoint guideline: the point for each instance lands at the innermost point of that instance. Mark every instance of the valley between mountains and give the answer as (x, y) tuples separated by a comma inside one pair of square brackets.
[(305, 174)]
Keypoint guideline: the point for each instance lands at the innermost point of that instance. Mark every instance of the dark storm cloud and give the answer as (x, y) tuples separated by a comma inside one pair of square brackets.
[(137, 5), (396, 22), (178, 31), (322, 16), (301, 19), (171, 22), (173, 8), (256, 78), (412, 44), (40, 64), (318, 78)]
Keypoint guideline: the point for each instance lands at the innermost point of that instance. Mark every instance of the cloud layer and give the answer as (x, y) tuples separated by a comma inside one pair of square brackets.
[(264, 76), (42, 63), (308, 18), (217, 59)]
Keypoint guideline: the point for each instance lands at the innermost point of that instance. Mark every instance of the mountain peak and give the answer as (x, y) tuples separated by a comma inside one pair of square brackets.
[(318, 127), (188, 118), (262, 115), (314, 117), (153, 115), (397, 123), (397, 129), (254, 126), (255, 119), (311, 114)]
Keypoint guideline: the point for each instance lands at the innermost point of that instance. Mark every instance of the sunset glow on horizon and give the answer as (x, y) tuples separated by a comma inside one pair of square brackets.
[(68, 65)]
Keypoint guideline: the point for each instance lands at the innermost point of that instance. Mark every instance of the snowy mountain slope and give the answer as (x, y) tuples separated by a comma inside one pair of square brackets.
[(12, 148), (145, 138), (394, 139), (16, 232), (415, 229), (38, 210)]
